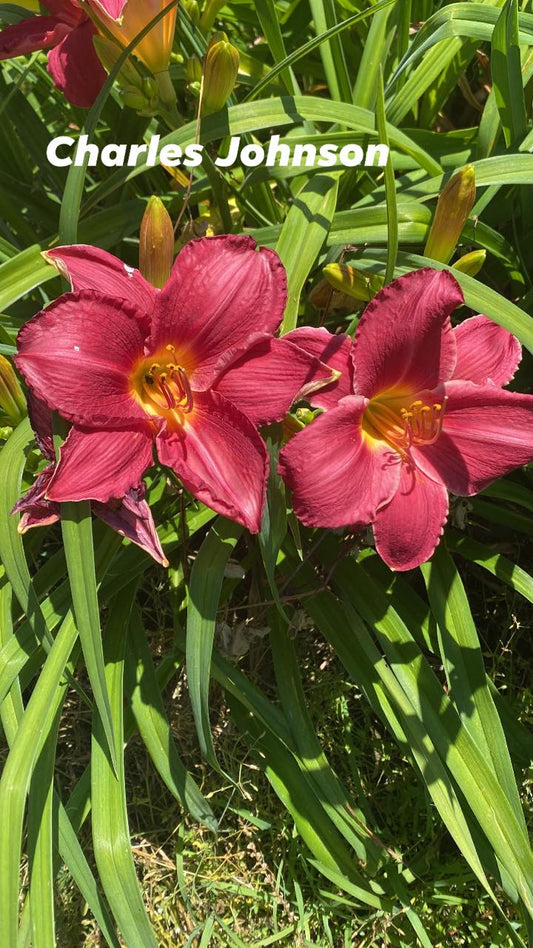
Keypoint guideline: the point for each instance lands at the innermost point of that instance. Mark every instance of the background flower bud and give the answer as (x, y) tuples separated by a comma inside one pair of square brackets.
[(352, 282), (193, 69), (471, 263), (156, 247), (193, 9), (453, 207), (221, 66), (12, 402)]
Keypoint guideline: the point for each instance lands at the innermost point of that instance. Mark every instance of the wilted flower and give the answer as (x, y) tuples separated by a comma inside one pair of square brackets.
[(68, 34), (418, 410), (193, 368), (129, 515)]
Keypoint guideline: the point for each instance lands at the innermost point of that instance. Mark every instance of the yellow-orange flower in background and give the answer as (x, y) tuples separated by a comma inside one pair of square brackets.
[(155, 49)]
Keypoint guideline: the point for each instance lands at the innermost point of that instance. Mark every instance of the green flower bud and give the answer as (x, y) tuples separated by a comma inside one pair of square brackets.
[(361, 286), (156, 245), (471, 263), (12, 402), (135, 99), (193, 9), (453, 207), (193, 69), (108, 53), (210, 14), (221, 66)]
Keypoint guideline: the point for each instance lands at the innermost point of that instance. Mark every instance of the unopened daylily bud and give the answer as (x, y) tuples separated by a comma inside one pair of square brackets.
[(221, 66), (305, 415), (210, 13), (352, 282), (156, 246), (135, 99), (453, 207), (193, 69), (193, 9), (108, 53), (471, 263), (12, 402)]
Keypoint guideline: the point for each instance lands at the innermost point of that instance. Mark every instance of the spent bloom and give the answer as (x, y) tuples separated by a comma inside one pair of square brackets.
[(418, 410), (129, 515), (192, 368)]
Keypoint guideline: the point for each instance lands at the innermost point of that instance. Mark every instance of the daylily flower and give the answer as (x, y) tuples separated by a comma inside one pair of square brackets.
[(193, 368), (129, 515), (68, 34), (125, 20), (418, 410)]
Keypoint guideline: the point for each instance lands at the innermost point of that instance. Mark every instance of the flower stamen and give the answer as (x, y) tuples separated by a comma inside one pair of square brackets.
[(422, 423)]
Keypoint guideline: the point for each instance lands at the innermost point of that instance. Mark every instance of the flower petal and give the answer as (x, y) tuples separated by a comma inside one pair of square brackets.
[(37, 32), (486, 352), (112, 8), (132, 518), (34, 508), (100, 465), (408, 529), (75, 68), (41, 422), (335, 351), (89, 268), (220, 458), (265, 379), (404, 338), (337, 476), (221, 290), (67, 11), (487, 432), (78, 354)]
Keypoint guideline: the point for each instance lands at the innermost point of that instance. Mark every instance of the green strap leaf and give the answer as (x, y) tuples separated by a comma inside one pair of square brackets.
[(76, 527), (146, 702), (506, 72), (111, 836), (302, 236), (204, 595)]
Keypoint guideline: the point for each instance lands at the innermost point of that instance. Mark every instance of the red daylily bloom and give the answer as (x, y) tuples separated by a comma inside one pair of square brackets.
[(193, 367), (129, 515), (418, 410), (68, 34)]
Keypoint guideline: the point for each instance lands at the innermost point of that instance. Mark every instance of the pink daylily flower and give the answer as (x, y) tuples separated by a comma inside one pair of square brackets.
[(129, 515), (68, 35), (418, 410), (193, 368)]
